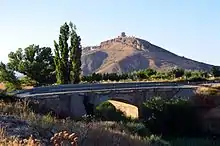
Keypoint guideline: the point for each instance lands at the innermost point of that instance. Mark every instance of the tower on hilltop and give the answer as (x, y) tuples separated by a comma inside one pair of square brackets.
[(123, 34)]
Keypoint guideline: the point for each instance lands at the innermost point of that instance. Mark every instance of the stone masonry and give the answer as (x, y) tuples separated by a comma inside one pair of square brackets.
[(74, 105)]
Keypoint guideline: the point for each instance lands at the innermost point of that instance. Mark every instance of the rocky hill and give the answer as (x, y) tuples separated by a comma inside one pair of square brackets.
[(126, 54)]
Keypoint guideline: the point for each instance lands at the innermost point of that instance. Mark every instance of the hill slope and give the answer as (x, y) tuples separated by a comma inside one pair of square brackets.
[(126, 54)]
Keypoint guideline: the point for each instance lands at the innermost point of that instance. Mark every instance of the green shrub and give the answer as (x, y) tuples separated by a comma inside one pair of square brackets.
[(107, 111), (161, 75), (196, 79), (145, 74), (141, 75), (27, 81), (195, 76), (177, 72), (176, 117), (7, 98), (137, 128), (187, 74), (155, 140), (12, 86)]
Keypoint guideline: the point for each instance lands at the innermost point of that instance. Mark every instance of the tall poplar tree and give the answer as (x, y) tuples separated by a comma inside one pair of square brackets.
[(68, 57), (75, 53)]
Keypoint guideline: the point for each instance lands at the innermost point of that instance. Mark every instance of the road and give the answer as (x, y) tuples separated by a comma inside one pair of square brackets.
[(83, 88)]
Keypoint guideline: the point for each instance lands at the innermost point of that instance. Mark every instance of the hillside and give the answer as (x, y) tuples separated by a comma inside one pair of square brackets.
[(126, 54)]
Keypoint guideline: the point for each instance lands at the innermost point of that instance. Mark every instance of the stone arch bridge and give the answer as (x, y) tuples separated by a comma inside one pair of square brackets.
[(75, 103)]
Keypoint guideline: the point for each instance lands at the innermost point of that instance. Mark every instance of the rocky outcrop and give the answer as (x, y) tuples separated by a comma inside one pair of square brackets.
[(92, 61)]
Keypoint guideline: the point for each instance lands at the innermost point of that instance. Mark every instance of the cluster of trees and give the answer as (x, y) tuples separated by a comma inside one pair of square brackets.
[(150, 74), (39, 65), (139, 75), (68, 57), (104, 77)]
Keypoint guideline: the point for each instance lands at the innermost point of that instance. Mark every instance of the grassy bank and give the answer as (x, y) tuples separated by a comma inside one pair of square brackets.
[(90, 131)]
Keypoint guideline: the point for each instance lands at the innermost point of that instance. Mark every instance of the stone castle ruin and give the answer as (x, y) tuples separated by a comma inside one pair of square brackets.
[(123, 34), (130, 41)]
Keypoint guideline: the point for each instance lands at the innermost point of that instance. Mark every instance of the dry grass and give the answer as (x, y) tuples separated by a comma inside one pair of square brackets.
[(64, 138), (209, 90), (27, 87), (89, 133), (115, 55), (5, 141), (61, 138), (216, 86), (207, 96)]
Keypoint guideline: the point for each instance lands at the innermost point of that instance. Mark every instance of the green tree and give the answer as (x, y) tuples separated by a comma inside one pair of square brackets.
[(177, 72), (150, 72), (68, 58), (35, 62), (142, 75), (8, 77), (187, 74), (75, 55), (215, 71)]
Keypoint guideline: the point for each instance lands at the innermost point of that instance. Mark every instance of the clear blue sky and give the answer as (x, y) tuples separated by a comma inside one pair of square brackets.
[(189, 28)]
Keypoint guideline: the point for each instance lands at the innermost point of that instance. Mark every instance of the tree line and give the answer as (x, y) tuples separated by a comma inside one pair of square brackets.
[(151, 74)]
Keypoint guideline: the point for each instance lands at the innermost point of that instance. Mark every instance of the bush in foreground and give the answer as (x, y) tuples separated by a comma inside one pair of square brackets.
[(171, 117)]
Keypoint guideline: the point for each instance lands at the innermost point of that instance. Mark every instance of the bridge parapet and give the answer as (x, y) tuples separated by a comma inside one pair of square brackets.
[(63, 89)]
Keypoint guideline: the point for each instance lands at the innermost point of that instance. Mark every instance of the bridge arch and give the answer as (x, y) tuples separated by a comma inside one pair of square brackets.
[(125, 103), (122, 97)]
